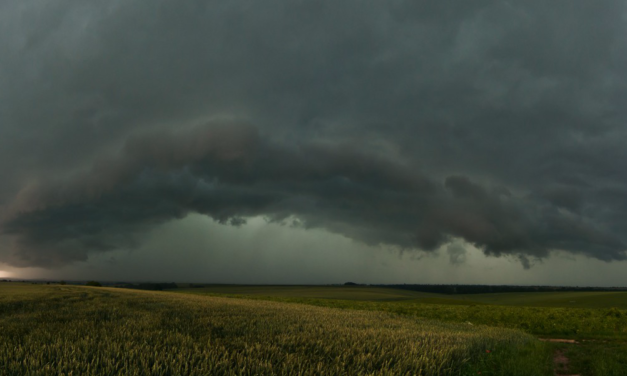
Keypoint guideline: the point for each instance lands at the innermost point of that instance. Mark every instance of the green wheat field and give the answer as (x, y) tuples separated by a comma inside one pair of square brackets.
[(292, 330)]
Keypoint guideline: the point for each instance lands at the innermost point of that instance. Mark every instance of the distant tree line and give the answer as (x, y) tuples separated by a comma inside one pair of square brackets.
[(482, 289)]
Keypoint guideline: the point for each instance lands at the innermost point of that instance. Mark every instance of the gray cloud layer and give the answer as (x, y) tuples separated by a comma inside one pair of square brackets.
[(397, 123), (230, 173)]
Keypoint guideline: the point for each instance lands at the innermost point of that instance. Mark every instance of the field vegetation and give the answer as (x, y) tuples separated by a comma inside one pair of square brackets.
[(360, 293), (597, 324), (71, 330), (587, 299), (577, 299)]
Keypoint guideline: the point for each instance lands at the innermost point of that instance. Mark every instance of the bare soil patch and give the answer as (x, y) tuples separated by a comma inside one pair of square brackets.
[(558, 340), (561, 362)]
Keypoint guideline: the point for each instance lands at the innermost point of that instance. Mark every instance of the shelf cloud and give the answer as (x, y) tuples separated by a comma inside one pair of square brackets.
[(399, 123)]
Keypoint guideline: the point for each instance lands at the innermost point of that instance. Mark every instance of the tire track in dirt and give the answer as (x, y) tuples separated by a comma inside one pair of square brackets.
[(560, 360)]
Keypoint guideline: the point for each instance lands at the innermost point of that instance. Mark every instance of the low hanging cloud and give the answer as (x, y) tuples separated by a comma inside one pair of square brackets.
[(456, 253), (402, 123), (230, 172)]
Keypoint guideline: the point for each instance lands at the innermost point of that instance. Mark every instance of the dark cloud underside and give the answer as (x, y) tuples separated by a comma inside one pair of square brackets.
[(400, 123), (230, 173)]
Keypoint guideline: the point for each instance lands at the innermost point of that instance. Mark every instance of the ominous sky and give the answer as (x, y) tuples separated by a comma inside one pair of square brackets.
[(314, 141)]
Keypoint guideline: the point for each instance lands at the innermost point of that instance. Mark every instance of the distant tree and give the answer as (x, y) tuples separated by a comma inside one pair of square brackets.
[(62, 283), (351, 284), (93, 283)]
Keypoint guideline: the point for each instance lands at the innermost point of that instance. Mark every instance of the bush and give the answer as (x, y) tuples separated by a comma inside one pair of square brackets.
[(93, 283)]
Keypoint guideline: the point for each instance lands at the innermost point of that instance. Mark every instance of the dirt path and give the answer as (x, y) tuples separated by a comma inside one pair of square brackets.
[(560, 360), (558, 340)]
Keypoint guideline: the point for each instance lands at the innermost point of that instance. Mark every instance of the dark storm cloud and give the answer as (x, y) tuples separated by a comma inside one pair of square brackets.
[(230, 173), (402, 123)]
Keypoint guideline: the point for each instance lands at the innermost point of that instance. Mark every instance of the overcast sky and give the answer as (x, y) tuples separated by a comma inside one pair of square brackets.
[(314, 141)]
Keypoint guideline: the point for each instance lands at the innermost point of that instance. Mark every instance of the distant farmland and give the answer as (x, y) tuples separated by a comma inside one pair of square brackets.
[(578, 299)]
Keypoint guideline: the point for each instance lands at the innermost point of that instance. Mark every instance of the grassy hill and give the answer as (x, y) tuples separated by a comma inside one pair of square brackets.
[(268, 330), (53, 330), (597, 320)]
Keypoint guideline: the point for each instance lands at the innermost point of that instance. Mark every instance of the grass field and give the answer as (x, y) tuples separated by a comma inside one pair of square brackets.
[(69, 330), (307, 330), (593, 318), (583, 299), (359, 293), (579, 323)]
